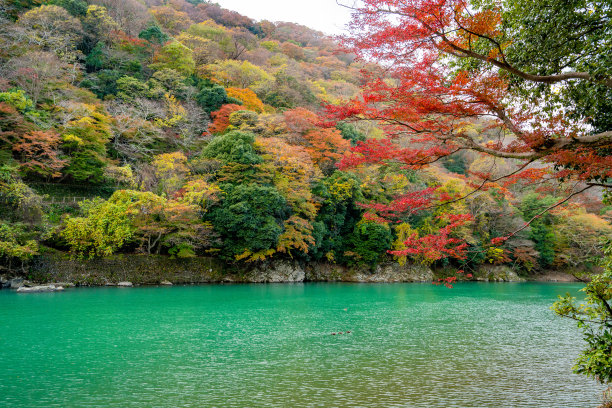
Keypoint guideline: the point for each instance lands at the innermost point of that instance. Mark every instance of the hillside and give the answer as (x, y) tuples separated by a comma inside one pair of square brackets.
[(184, 129)]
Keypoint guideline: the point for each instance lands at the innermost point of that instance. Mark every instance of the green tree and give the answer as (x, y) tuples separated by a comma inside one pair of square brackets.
[(19, 203), (369, 242), (77, 8), (97, 58), (16, 245), (129, 88), (249, 219), (542, 227), (154, 34), (349, 132), (233, 147), (167, 81), (211, 98), (239, 74), (338, 215), (548, 37), (98, 26), (103, 82)]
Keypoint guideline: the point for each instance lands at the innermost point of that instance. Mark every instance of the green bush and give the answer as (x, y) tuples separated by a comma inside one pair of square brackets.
[(369, 242)]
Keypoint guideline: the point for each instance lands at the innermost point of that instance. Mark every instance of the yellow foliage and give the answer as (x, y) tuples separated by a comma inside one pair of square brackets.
[(495, 254), (297, 235), (171, 169), (70, 138), (200, 192), (175, 112), (340, 191), (249, 256), (403, 232)]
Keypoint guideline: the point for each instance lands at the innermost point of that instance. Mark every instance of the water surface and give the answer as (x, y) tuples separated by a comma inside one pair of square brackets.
[(411, 345)]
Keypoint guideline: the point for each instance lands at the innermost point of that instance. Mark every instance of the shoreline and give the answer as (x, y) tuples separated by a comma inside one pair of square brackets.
[(149, 270)]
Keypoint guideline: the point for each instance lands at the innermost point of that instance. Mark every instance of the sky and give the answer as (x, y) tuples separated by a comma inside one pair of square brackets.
[(322, 15)]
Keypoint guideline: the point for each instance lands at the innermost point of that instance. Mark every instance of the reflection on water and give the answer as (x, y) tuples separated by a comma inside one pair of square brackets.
[(411, 345)]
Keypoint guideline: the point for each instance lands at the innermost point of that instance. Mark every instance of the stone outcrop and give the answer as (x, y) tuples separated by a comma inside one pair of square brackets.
[(275, 272), (16, 283), (383, 273), (497, 273), (555, 277), (39, 288)]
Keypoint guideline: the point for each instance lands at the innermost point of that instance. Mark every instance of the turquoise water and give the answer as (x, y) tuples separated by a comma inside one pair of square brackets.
[(411, 345)]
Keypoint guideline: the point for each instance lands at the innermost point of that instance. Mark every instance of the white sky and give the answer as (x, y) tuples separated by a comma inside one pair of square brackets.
[(321, 15)]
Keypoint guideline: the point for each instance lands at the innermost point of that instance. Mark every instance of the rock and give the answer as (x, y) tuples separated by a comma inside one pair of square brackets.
[(125, 284), (63, 284), (395, 273), (41, 288), (16, 283), (4, 282), (391, 272), (497, 273), (278, 271), (555, 277), (166, 283), (325, 272)]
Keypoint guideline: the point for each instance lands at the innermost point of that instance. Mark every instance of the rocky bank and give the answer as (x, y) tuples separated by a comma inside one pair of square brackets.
[(128, 270)]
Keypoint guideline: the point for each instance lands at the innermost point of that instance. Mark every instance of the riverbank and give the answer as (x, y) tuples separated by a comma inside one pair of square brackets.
[(156, 270)]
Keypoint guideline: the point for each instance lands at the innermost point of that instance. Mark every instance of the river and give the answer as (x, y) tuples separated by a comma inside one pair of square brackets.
[(410, 345)]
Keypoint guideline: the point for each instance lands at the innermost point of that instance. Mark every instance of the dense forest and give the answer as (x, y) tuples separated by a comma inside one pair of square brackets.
[(184, 129)]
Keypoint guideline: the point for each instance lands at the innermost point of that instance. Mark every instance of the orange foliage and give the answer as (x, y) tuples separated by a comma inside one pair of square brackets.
[(249, 99), (292, 51), (221, 118), (38, 153), (300, 120), (297, 235), (326, 146)]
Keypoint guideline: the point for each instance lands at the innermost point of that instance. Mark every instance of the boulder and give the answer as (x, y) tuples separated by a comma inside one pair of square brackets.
[(165, 283), (38, 289), (16, 283), (125, 284)]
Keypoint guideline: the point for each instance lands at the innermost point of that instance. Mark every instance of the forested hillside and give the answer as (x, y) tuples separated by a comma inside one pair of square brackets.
[(185, 129)]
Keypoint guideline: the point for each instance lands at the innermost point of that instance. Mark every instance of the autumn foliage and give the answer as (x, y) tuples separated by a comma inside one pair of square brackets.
[(39, 154), (440, 134), (221, 117), (456, 83)]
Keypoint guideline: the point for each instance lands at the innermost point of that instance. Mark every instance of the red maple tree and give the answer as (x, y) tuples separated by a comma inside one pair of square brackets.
[(447, 73)]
